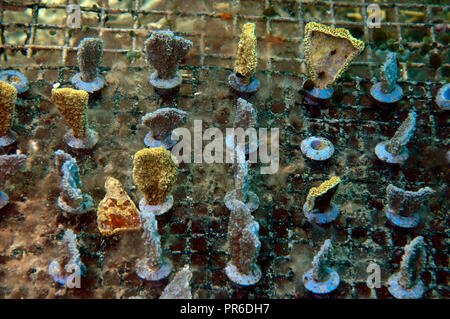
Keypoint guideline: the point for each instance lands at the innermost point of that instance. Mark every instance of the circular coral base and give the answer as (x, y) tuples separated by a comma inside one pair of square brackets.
[(252, 202), (386, 98), (85, 143), (16, 79), (165, 85), (242, 279), (90, 87), (151, 142), (322, 218), (443, 97), (396, 290), (402, 221), (153, 274), (321, 287), (77, 211), (382, 153), (313, 152), (156, 209), (237, 85), (4, 199), (8, 139)]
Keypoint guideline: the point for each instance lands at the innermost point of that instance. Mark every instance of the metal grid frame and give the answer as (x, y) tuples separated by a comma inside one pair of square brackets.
[(280, 224)]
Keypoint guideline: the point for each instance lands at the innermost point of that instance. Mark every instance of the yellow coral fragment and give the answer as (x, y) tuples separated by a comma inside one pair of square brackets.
[(8, 96), (116, 213), (247, 59), (155, 173), (321, 197), (328, 52), (72, 104)]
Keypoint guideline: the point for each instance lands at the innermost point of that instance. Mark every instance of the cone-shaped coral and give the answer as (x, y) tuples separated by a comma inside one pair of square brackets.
[(328, 52), (179, 287), (407, 284), (321, 279), (319, 206), (394, 150), (387, 91), (8, 96), (116, 213), (155, 173), (243, 240), (72, 104)]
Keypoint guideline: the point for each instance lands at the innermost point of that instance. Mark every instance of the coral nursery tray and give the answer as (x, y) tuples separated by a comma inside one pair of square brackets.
[(38, 40)]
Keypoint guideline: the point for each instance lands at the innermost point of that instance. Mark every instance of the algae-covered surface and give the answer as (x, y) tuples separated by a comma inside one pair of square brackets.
[(36, 41)]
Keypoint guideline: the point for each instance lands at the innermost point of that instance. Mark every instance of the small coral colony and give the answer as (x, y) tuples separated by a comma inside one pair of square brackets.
[(328, 52)]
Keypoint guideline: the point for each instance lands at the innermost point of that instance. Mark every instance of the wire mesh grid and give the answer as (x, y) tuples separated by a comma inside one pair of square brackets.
[(36, 40)]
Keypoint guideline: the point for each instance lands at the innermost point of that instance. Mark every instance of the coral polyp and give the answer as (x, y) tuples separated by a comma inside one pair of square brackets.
[(317, 148)]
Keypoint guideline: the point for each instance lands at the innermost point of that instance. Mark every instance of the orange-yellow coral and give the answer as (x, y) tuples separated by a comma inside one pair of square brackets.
[(155, 173), (116, 213), (73, 105), (321, 197), (8, 96), (247, 59), (328, 52)]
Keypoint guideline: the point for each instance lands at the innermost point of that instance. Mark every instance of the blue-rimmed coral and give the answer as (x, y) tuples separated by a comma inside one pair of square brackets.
[(387, 91), (403, 207), (89, 56), (153, 266), (317, 148), (16, 79), (394, 151), (244, 245), (407, 283), (154, 173), (161, 123), (321, 279), (319, 206), (164, 50), (328, 53), (71, 199)]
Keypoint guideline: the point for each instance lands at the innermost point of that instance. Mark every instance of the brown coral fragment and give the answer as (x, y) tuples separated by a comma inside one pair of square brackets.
[(155, 173), (247, 59), (73, 104), (116, 213), (328, 52), (8, 96)]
